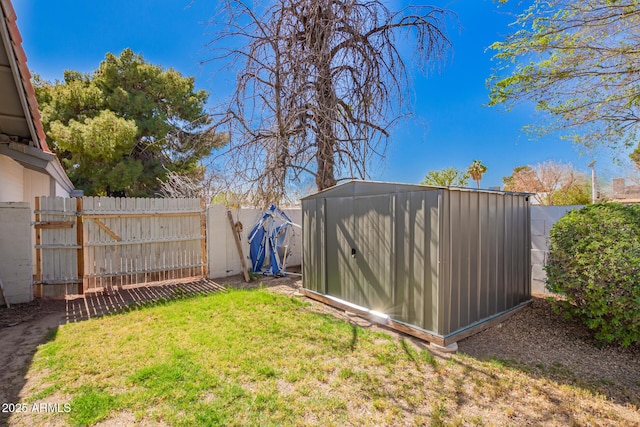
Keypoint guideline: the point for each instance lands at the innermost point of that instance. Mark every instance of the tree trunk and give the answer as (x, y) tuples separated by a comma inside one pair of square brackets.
[(325, 176), (326, 100)]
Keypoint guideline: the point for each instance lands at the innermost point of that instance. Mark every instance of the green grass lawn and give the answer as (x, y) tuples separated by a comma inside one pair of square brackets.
[(260, 358)]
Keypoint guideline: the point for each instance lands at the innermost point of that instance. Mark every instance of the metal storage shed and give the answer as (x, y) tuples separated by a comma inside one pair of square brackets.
[(440, 263)]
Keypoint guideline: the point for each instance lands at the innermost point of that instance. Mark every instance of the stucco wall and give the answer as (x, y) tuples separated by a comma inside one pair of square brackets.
[(15, 251), (20, 184), (35, 184), (11, 180)]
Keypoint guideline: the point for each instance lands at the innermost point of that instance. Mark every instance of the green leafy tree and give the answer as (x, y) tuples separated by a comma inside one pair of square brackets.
[(447, 177), (476, 170), (578, 61), (577, 194), (635, 156), (122, 128)]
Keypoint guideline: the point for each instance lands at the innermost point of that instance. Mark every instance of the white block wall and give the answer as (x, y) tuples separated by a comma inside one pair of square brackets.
[(223, 257), (15, 251), (542, 219)]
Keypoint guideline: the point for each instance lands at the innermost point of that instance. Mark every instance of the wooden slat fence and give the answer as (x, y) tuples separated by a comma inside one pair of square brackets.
[(117, 241), (57, 247)]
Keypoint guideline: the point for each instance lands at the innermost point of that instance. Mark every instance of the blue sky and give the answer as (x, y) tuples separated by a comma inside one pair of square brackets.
[(452, 126)]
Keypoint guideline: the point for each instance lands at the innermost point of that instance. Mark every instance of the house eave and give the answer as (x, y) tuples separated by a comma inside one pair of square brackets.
[(37, 160), (27, 156)]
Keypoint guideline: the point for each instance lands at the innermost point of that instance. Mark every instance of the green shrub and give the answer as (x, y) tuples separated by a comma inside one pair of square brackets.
[(594, 261)]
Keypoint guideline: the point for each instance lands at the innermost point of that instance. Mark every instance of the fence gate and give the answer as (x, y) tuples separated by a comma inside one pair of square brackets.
[(58, 246), (96, 242)]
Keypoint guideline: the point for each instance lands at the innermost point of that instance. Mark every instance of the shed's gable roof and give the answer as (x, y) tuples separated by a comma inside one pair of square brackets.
[(368, 188)]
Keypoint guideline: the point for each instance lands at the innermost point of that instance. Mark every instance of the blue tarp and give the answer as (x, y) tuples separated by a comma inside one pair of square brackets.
[(268, 240)]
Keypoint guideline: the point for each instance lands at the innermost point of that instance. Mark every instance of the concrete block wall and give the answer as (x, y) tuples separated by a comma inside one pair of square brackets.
[(223, 257), (15, 251), (542, 219)]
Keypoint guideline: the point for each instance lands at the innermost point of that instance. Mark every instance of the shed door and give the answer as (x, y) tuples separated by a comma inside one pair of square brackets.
[(360, 248)]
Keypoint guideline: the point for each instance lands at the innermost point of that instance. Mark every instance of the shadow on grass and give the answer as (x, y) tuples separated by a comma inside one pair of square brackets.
[(38, 323), (557, 372), (354, 337), (539, 397), (96, 304), (544, 344)]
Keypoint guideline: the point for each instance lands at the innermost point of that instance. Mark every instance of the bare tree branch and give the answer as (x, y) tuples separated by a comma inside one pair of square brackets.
[(319, 85)]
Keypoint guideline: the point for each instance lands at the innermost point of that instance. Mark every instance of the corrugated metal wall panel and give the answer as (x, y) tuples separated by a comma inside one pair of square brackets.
[(524, 250), (340, 274), (433, 310), (474, 267), (321, 242), (416, 284), (488, 258), (310, 246), (446, 256), (313, 245), (512, 253), (375, 251), (500, 227), (361, 250), (450, 288), (508, 251), (409, 290), (483, 293), (438, 259), (527, 263)]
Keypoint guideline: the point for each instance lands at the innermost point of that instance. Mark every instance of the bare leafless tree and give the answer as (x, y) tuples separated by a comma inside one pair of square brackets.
[(319, 85), (206, 186), (553, 183)]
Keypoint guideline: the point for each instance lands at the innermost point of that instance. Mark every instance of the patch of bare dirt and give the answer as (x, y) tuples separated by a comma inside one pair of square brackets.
[(20, 313), (543, 342), (23, 327)]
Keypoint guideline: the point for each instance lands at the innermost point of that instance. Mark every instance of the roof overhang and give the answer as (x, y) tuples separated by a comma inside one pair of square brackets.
[(19, 115), (27, 156), (22, 136)]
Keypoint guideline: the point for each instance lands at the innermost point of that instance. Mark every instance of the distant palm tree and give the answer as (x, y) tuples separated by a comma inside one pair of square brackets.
[(476, 170)]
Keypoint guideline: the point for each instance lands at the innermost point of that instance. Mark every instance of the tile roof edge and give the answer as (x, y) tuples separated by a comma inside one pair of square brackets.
[(25, 75)]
